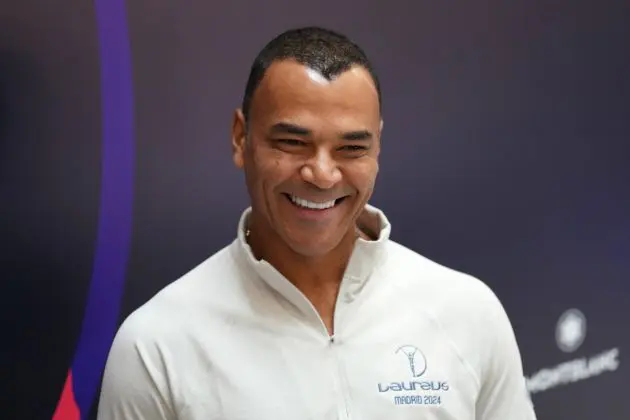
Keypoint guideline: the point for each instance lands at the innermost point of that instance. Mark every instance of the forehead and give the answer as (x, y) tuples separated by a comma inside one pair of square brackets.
[(291, 91)]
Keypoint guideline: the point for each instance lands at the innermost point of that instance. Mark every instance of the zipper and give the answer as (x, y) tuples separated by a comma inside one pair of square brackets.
[(340, 383), (343, 412)]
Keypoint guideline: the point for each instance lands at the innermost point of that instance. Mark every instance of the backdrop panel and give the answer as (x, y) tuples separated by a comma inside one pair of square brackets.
[(505, 155)]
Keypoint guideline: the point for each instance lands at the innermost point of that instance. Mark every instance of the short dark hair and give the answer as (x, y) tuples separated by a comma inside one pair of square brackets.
[(325, 51)]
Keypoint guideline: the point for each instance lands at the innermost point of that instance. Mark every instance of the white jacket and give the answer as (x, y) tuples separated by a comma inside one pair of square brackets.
[(235, 340)]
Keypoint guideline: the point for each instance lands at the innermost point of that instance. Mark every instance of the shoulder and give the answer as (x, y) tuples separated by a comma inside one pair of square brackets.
[(163, 317), (466, 310), (157, 339), (441, 285), (141, 376)]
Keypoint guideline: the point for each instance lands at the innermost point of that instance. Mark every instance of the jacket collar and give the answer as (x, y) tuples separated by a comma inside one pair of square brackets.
[(366, 256)]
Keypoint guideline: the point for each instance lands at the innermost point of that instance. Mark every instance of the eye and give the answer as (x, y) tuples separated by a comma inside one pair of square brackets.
[(354, 148)]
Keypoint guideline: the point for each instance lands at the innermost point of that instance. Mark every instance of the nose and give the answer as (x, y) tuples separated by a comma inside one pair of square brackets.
[(321, 171)]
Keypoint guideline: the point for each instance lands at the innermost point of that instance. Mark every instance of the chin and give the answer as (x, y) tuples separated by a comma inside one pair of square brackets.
[(315, 233), (312, 247)]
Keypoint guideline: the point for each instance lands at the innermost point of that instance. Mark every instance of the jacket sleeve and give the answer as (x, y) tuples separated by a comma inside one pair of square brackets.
[(135, 385), (503, 394)]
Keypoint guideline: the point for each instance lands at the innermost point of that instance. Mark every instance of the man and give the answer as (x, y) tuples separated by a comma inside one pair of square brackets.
[(312, 312)]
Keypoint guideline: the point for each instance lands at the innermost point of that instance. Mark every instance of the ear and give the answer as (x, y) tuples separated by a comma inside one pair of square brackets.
[(239, 138), (381, 129)]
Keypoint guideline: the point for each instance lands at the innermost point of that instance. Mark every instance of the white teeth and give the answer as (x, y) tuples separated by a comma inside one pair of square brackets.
[(311, 204)]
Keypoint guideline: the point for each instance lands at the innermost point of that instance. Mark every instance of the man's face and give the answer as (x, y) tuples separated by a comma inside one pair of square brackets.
[(310, 154)]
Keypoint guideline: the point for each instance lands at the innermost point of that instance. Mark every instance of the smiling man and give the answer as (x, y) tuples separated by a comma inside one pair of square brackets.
[(313, 312)]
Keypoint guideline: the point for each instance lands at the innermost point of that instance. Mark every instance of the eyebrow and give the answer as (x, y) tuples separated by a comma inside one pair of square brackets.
[(288, 128), (357, 135)]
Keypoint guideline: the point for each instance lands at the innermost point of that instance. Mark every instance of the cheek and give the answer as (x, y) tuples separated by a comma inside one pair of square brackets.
[(273, 168), (363, 176)]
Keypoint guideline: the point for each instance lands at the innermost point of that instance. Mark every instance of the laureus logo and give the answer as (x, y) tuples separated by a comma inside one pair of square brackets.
[(415, 358)]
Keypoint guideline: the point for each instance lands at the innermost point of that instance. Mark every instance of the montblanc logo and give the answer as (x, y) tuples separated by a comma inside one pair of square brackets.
[(570, 335), (571, 330)]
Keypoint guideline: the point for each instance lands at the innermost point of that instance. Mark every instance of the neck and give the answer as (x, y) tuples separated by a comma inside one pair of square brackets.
[(318, 278), (312, 274)]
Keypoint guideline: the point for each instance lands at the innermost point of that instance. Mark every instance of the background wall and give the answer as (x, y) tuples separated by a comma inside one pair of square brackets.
[(505, 155)]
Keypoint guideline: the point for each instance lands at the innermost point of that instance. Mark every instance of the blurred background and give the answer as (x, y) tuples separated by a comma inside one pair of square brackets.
[(505, 155)]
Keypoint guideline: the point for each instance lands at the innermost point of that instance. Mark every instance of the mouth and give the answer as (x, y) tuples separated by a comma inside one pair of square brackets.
[(313, 205)]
